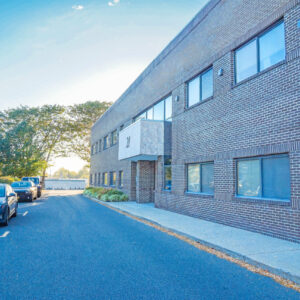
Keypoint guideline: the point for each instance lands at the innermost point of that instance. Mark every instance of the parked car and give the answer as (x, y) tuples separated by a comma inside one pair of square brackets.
[(8, 204), (26, 190), (37, 182)]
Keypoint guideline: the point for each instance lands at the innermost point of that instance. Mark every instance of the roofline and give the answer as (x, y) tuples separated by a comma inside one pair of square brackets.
[(200, 16)]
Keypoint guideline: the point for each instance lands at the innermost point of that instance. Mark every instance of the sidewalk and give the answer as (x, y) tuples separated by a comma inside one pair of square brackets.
[(275, 255)]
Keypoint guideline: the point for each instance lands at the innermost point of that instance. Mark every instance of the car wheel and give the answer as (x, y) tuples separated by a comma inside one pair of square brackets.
[(5, 222)]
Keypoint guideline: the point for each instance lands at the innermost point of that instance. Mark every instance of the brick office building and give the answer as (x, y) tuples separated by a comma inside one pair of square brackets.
[(211, 128)]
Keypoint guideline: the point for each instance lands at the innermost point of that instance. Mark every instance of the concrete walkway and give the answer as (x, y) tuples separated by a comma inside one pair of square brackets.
[(278, 256)]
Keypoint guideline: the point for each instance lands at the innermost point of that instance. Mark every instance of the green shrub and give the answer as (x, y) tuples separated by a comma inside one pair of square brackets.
[(104, 198), (105, 194), (114, 198), (124, 198), (114, 192)]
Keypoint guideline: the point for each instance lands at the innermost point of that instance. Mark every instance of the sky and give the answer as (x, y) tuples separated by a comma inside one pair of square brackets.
[(72, 51)]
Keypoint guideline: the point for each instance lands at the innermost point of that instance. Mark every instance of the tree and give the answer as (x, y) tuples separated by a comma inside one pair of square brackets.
[(20, 155), (31, 137), (83, 116)]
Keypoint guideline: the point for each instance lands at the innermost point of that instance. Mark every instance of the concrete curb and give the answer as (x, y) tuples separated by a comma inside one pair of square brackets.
[(281, 273)]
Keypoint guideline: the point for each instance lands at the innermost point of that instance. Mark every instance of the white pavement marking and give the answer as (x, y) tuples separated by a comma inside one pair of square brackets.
[(25, 213), (5, 234)]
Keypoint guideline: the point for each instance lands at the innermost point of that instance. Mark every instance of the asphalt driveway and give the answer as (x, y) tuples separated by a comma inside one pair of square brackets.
[(67, 247)]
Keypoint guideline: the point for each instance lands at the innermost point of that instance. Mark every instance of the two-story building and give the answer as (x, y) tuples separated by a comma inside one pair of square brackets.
[(211, 128)]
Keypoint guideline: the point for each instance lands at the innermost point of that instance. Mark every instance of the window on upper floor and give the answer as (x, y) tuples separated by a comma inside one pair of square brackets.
[(105, 142), (114, 137), (160, 111), (264, 177), (150, 114), (200, 178), (100, 145), (260, 53), (168, 108), (200, 87)]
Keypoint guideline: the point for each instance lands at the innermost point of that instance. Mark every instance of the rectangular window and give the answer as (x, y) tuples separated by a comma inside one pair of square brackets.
[(200, 87), (105, 179), (142, 116), (99, 179), (105, 142), (262, 52), (114, 137), (113, 179), (207, 84), (159, 111), (121, 183), (264, 177), (168, 173), (200, 178), (100, 145), (194, 91), (150, 114), (168, 108)]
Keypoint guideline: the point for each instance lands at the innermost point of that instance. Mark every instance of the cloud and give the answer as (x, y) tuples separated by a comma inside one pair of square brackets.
[(80, 7), (113, 3)]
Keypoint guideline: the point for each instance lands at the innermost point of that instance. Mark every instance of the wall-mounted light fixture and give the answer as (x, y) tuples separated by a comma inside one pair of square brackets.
[(221, 72), (177, 98)]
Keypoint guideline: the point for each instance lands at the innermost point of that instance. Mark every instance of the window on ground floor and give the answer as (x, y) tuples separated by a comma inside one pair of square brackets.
[(113, 179), (167, 173), (264, 177), (121, 182), (105, 179), (200, 178)]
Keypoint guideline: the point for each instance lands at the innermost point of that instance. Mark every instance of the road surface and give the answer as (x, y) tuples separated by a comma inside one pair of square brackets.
[(65, 246)]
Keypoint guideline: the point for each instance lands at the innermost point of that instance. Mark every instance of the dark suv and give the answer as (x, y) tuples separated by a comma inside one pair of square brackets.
[(26, 190), (36, 181)]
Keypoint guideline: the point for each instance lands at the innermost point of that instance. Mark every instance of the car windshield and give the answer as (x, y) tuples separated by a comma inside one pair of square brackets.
[(2, 191), (21, 184), (33, 179)]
